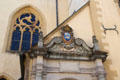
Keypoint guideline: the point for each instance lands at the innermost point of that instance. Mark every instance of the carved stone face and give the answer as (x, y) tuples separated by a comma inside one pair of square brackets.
[(67, 36)]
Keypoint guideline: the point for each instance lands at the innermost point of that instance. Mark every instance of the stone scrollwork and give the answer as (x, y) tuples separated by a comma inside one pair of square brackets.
[(81, 42), (78, 49), (53, 41), (70, 47)]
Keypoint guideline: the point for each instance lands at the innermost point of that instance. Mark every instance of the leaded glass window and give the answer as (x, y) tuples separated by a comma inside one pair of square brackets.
[(35, 37), (16, 36), (26, 39), (25, 32)]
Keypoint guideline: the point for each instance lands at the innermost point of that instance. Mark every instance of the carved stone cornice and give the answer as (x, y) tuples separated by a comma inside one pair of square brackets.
[(99, 55), (37, 52), (96, 52)]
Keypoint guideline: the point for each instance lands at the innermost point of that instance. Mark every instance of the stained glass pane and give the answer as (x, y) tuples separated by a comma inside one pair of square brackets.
[(27, 22), (37, 23), (26, 40), (17, 21), (35, 37), (16, 39), (24, 15), (32, 17), (27, 19)]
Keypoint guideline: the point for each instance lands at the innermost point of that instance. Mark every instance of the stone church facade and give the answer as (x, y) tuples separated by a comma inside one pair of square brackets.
[(59, 40)]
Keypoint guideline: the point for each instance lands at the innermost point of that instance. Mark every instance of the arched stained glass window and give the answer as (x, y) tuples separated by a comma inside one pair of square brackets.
[(26, 35), (35, 37), (16, 36), (26, 40)]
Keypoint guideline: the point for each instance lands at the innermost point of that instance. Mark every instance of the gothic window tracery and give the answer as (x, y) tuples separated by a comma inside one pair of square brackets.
[(35, 37), (25, 32)]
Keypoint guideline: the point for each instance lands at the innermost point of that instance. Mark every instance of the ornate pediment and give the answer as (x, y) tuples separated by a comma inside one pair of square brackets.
[(67, 44)]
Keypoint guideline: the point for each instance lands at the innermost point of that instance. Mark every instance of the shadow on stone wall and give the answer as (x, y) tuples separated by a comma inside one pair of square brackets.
[(96, 17), (111, 73)]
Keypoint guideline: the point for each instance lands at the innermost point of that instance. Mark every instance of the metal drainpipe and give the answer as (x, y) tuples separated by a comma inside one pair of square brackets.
[(57, 20)]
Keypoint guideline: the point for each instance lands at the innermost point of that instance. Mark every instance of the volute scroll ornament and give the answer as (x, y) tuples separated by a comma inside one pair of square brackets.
[(81, 42), (67, 44)]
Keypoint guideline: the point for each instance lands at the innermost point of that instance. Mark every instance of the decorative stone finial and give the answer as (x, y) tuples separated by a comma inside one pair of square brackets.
[(95, 44), (40, 42)]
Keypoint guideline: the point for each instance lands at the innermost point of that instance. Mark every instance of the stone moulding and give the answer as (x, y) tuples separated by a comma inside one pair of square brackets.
[(78, 50)]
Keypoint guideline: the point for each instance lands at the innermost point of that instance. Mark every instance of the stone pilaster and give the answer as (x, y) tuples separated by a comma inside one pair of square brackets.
[(39, 68), (33, 72), (27, 69), (100, 72), (44, 75)]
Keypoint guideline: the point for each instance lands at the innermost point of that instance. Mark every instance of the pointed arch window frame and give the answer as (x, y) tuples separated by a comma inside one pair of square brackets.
[(32, 30)]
